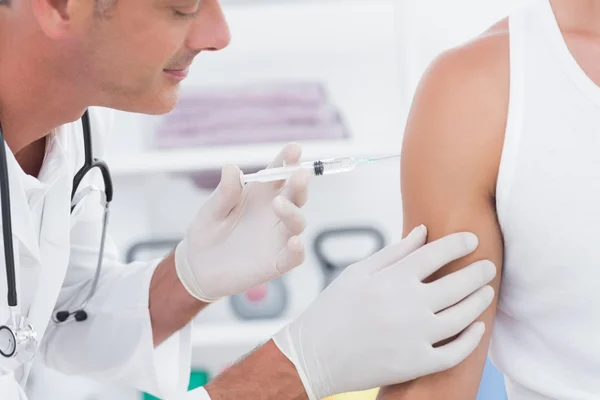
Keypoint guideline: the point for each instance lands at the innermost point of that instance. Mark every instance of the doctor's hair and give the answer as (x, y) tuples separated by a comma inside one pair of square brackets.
[(103, 6)]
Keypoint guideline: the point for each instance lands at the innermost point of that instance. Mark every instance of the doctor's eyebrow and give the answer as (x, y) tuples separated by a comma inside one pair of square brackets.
[(184, 3)]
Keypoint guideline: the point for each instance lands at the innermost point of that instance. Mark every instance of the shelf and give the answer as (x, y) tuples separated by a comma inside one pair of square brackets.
[(212, 158), (235, 334)]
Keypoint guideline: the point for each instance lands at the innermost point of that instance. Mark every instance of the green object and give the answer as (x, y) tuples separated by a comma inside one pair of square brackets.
[(197, 379)]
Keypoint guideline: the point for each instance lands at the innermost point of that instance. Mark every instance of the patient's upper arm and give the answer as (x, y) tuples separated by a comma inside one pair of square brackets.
[(450, 159)]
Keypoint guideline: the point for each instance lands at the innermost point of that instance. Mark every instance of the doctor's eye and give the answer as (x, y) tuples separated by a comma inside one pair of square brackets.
[(186, 16)]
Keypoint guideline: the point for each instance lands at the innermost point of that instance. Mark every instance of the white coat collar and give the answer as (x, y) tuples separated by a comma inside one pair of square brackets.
[(23, 227), (54, 166)]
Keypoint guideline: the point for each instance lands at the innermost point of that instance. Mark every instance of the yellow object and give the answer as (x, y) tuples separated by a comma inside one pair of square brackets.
[(366, 395)]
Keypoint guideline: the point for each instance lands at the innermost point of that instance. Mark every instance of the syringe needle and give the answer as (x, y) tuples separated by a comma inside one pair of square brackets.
[(375, 159)]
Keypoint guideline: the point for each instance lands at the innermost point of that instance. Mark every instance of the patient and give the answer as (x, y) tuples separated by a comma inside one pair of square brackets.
[(504, 140)]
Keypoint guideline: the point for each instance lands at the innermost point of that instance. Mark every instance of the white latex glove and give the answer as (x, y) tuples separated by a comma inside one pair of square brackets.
[(244, 235), (376, 324)]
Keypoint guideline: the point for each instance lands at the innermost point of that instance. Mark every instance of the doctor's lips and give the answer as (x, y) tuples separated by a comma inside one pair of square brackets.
[(178, 73)]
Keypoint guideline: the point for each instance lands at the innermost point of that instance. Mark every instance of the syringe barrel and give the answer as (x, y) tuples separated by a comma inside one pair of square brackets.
[(315, 168), (274, 174), (333, 166)]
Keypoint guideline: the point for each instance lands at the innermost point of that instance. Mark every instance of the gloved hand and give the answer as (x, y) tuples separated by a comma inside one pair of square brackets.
[(244, 235), (376, 324)]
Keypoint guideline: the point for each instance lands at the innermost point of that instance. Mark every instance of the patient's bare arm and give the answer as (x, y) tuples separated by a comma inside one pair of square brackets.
[(450, 159)]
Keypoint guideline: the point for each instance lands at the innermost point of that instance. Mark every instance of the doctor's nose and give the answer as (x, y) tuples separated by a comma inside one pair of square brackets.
[(210, 31)]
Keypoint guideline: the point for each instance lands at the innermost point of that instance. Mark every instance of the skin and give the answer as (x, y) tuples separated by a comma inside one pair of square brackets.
[(451, 155), (68, 55)]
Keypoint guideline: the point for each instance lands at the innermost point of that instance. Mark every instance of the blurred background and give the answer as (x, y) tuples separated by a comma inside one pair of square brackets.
[(334, 75)]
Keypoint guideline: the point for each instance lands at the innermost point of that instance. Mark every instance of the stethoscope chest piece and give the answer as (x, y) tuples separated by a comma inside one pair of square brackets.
[(18, 339)]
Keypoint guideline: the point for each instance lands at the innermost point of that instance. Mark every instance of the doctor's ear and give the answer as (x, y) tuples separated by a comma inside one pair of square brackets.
[(60, 18)]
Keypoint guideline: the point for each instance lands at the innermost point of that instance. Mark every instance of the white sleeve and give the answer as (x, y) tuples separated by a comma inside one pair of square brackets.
[(196, 394), (115, 343)]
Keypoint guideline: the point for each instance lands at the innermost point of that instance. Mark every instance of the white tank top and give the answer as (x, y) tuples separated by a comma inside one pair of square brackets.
[(546, 337)]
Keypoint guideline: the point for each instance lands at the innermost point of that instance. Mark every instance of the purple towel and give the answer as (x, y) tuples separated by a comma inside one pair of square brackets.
[(253, 135), (252, 114), (249, 116)]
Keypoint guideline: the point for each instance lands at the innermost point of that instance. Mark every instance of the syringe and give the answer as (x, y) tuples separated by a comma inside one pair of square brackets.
[(315, 168)]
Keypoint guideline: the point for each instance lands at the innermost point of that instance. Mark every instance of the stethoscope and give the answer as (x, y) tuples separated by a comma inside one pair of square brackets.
[(18, 338)]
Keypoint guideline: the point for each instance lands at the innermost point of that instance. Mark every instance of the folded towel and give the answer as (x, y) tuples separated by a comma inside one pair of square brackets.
[(202, 121), (185, 138), (276, 112)]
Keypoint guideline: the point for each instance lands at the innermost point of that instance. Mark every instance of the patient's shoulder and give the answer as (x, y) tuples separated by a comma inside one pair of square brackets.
[(459, 110), (475, 73)]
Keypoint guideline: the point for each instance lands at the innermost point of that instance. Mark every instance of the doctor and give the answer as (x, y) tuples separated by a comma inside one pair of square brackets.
[(59, 58)]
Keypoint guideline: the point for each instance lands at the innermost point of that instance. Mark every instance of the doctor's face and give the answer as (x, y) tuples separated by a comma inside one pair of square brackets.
[(138, 51)]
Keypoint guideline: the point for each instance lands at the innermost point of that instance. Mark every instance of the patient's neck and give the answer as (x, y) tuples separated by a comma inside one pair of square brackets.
[(582, 16)]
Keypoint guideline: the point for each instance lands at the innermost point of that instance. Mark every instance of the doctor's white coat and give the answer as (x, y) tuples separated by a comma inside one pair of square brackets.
[(56, 254)]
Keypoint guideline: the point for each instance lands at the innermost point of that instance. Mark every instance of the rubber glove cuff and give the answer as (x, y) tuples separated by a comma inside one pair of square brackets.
[(186, 275)]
